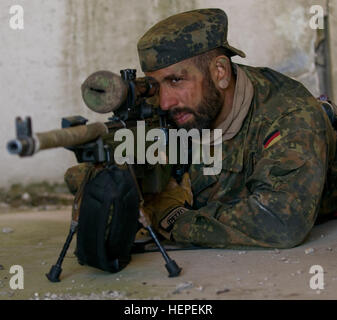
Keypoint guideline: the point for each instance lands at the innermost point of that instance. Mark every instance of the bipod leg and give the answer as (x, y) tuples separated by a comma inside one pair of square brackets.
[(55, 271), (171, 266)]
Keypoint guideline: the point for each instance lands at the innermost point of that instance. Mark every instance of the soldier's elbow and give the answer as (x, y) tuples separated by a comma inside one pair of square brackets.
[(290, 239), (290, 242)]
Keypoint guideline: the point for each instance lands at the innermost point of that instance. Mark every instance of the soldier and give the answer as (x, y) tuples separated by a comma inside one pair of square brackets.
[(279, 160)]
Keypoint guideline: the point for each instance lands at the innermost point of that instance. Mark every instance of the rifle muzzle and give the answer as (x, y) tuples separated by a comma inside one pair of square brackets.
[(21, 147)]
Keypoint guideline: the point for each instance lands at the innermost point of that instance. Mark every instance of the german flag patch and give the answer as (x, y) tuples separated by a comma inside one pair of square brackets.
[(271, 139)]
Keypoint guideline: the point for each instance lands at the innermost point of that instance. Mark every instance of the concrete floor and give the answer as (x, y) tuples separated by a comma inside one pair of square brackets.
[(34, 240)]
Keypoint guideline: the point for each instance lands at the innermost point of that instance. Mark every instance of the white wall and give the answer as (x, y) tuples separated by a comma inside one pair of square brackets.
[(43, 66), (333, 45)]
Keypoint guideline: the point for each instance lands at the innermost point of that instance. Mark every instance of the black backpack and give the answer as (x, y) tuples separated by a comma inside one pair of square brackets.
[(108, 220)]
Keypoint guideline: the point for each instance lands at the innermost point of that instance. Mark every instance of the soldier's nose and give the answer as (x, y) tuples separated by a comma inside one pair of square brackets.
[(167, 99)]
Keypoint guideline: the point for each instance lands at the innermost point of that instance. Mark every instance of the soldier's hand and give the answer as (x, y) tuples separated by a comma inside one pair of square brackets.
[(164, 208)]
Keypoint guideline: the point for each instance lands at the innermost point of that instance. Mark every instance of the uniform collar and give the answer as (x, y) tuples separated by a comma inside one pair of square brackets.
[(233, 149)]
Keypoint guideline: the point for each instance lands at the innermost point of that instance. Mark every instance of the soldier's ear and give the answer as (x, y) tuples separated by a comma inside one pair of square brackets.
[(221, 72)]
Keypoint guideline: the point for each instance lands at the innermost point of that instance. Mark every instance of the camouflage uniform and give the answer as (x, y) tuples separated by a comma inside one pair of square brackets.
[(268, 194), (278, 172)]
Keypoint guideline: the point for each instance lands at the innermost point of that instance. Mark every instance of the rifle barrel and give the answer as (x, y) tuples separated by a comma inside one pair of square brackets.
[(67, 137)]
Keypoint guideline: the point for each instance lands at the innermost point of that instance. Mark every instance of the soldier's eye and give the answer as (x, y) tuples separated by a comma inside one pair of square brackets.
[(176, 80)]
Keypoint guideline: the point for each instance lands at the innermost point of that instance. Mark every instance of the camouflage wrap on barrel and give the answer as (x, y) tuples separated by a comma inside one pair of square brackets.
[(278, 173), (70, 136), (183, 36)]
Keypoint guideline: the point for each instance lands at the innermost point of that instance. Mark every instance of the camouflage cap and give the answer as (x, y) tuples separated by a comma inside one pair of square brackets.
[(183, 36)]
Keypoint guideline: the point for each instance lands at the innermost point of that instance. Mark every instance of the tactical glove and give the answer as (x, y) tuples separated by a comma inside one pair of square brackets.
[(164, 208)]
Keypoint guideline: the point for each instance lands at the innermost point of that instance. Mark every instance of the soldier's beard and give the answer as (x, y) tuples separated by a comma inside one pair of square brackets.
[(206, 111)]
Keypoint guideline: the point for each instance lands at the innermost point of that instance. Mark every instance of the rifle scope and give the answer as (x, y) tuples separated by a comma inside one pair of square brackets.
[(105, 91)]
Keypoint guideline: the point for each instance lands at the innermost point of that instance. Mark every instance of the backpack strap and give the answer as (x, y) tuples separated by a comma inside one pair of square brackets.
[(330, 108)]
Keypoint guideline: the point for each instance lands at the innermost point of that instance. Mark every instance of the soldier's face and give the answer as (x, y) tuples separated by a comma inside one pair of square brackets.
[(192, 99)]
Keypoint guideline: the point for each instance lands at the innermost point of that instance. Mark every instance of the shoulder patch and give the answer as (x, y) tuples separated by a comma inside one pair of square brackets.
[(271, 139)]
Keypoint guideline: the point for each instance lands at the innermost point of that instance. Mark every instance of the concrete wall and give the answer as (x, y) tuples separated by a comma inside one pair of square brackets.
[(332, 5), (43, 66)]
